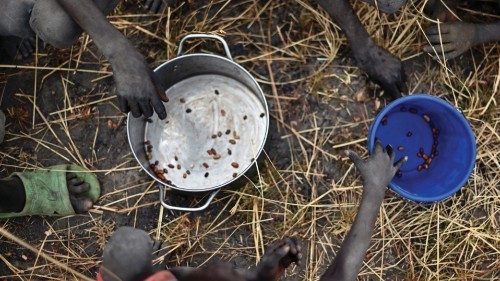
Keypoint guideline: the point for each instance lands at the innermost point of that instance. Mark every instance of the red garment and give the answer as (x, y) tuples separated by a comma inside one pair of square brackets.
[(163, 275)]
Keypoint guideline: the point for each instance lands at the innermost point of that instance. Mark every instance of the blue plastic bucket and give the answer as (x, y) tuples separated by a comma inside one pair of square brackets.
[(422, 127)]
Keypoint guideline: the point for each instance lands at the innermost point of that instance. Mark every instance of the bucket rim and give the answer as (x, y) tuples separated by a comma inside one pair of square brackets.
[(459, 116)]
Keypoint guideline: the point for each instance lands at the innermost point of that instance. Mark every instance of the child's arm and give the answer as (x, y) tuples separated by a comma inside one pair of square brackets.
[(138, 89), (377, 171)]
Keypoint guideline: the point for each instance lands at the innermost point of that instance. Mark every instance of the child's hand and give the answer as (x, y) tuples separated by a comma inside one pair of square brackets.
[(378, 169)]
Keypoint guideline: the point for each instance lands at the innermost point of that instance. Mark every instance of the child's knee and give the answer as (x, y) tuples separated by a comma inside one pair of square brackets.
[(53, 25), (56, 27)]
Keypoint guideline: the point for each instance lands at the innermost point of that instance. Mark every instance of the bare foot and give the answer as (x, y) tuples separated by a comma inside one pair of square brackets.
[(77, 187), (449, 40), (279, 256)]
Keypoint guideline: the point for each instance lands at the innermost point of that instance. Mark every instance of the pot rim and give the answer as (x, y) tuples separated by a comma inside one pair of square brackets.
[(259, 152)]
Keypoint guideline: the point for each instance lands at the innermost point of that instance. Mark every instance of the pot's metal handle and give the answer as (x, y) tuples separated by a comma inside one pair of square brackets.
[(185, 209), (204, 36)]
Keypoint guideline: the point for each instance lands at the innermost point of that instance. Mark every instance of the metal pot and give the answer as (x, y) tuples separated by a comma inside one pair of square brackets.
[(216, 127)]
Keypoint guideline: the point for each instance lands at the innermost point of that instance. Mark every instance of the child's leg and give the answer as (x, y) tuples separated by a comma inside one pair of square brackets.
[(54, 26)]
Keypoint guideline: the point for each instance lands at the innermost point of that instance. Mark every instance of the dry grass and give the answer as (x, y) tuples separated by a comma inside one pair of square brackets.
[(300, 59)]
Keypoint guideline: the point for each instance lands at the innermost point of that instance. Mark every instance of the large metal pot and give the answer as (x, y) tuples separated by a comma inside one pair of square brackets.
[(215, 106)]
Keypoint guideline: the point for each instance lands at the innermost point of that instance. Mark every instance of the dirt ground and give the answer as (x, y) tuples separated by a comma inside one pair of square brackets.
[(61, 108)]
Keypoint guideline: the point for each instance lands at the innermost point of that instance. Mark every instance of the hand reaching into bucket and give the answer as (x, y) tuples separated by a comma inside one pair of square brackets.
[(378, 169)]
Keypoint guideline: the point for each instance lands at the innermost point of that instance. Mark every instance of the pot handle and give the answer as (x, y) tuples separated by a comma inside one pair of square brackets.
[(185, 209), (204, 36)]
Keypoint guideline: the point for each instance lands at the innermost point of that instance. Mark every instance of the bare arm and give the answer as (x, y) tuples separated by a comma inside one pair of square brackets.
[(377, 171), (383, 68), (488, 33), (342, 13), (138, 88)]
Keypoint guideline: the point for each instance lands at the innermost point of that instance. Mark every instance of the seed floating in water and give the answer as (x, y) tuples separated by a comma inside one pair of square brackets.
[(168, 182), (188, 172), (188, 110), (413, 110), (184, 175), (401, 148), (425, 166), (419, 168), (205, 165), (147, 142), (165, 171), (209, 152), (409, 134), (222, 112), (435, 143), (171, 166), (235, 165), (217, 92), (219, 134), (161, 176), (176, 158), (152, 166), (214, 136), (157, 163), (384, 121), (262, 115), (228, 132), (235, 175), (229, 151), (245, 117), (426, 118), (178, 166), (425, 156), (435, 131), (216, 157), (213, 151), (206, 175), (231, 141), (148, 156), (253, 159), (399, 174), (182, 100), (428, 161)]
